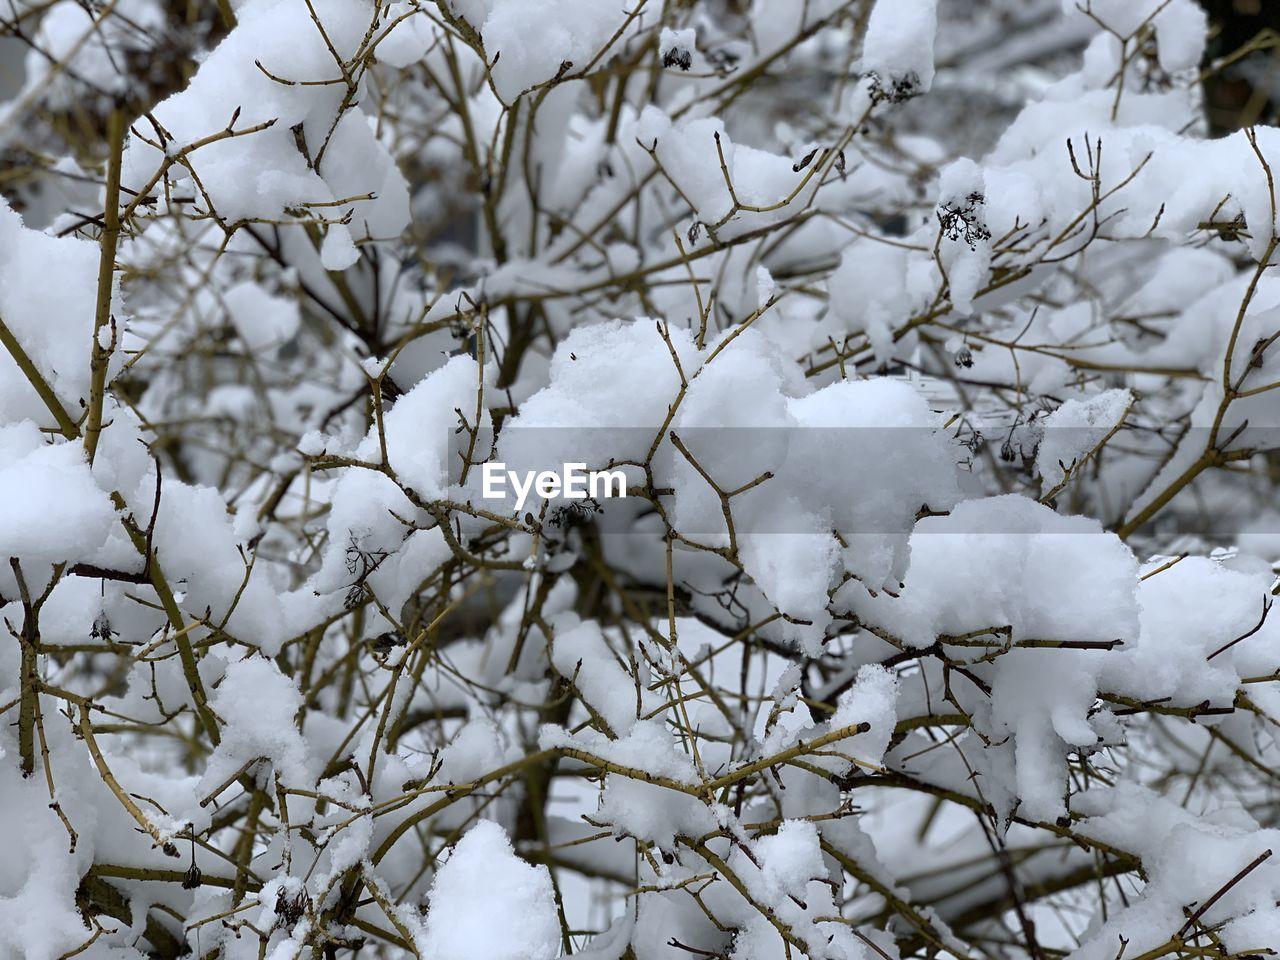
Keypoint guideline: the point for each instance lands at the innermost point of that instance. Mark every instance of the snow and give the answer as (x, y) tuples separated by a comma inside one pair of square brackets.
[(786, 872), (869, 292), (410, 37), (39, 878), (1192, 860), (261, 320), (419, 427), (419, 431), (579, 652), (476, 749), (1180, 25), (1075, 430), (264, 174), (965, 249), (862, 433), (48, 295), (397, 579), (689, 152), (51, 510), (1011, 561), (195, 542), (258, 706), (623, 378), (678, 47), (898, 49), (635, 806), (873, 700), (1179, 633), (487, 901), (569, 31)]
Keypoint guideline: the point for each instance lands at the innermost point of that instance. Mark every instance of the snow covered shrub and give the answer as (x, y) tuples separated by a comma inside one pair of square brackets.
[(933, 345)]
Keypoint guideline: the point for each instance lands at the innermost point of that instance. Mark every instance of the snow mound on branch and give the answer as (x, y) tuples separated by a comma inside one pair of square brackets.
[(1031, 175), (261, 320), (610, 378), (877, 287), (1008, 567), (51, 510), (265, 174), (1075, 429), (258, 704), (861, 458), (580, 652), (48, 297), (38, 875), (786, 872), (1180, 25), (419, 427), (364, 532), (570, 32), (873, 700), (487, 902), (1220, 861), (1190, 612), (899, 45), (197, 545), (1010, 561), (690, 153), (632, 805), (475, 750)]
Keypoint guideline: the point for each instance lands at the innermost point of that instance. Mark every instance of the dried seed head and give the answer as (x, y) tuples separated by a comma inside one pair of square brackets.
[(678, 57), (101, 629)]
